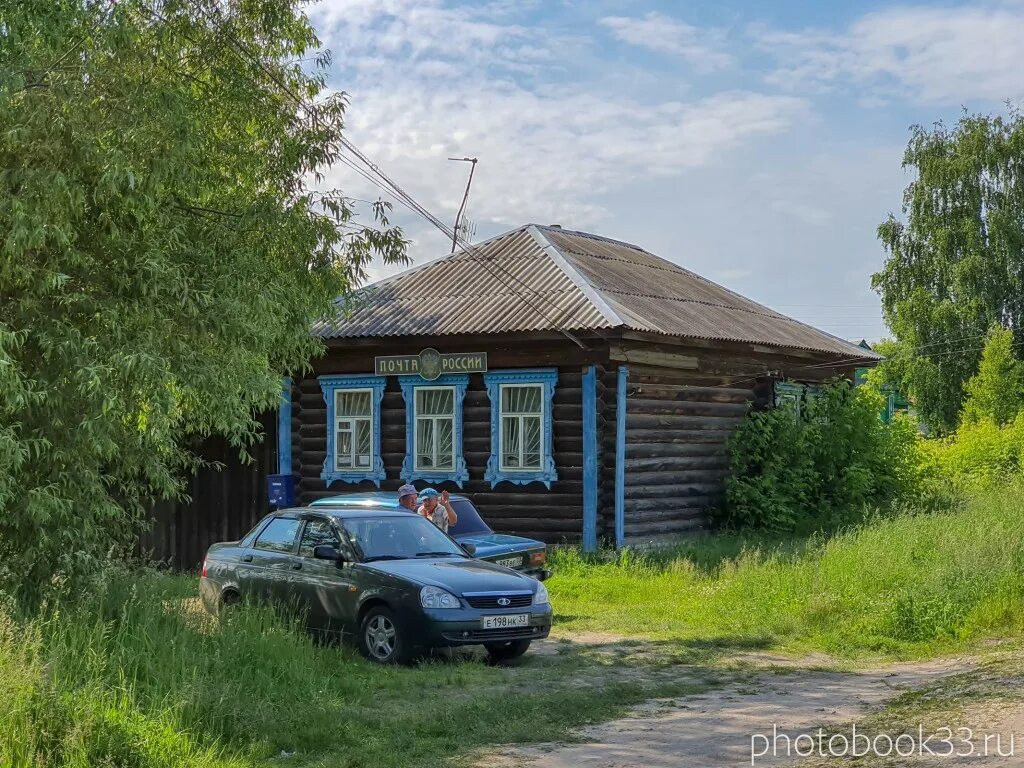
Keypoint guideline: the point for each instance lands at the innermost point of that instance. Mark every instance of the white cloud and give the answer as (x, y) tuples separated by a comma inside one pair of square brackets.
[(662, 34), (927, 55), (428, 82)]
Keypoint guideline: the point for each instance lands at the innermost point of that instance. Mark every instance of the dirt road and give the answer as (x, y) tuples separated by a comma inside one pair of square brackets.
[(728, 726)]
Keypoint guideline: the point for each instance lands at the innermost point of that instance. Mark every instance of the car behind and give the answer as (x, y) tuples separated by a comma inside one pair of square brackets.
[(517, 552)]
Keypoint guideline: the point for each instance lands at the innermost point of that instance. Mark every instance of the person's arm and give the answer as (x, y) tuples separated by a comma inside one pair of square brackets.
[(447, 504)]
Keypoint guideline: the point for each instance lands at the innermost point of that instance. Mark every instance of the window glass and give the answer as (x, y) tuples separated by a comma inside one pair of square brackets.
[(399, 537), (435, 428), (469, 521), (522, 415), (315, 533), (279, 535), (353, 416)]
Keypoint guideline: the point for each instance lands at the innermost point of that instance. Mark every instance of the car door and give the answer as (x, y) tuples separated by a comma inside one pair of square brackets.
[(324, 588), (269, 561)]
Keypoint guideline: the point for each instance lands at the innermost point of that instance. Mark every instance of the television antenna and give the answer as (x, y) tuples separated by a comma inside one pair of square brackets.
[(460, 224)]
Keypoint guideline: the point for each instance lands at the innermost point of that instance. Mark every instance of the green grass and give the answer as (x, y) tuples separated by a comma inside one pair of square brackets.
[(132, 675), (907, 585)]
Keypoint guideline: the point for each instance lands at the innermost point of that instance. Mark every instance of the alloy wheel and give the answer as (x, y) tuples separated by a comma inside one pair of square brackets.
[(380, 637)]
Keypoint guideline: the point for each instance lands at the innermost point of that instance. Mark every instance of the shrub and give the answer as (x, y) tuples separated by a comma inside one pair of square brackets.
[(979, 455), (821, 466)]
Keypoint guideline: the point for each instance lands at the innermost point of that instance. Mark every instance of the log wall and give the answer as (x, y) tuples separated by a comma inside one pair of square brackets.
[(528, 510), (677, 425), (680, 413)]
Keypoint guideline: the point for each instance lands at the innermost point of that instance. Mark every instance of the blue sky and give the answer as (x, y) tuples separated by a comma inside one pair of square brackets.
[(758, 144)]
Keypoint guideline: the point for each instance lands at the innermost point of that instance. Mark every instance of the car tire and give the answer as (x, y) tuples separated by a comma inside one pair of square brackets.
[(511, 649), (382, 639), (228, 603)]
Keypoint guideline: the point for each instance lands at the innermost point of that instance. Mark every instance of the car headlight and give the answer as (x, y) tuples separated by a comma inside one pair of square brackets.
[(540, 597), (435, 597)]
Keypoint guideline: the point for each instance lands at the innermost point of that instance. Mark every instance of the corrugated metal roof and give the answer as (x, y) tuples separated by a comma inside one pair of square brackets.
[(539, 278)]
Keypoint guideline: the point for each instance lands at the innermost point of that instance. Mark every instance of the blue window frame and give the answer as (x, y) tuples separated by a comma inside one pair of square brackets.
[(522, 442), (433, 429), (353, 428), (796, 396)]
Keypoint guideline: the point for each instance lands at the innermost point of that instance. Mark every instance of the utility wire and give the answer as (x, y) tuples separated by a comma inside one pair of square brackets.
[(402, 195)]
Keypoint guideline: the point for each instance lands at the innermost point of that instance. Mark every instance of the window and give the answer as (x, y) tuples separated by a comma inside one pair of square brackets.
[(317, 532), (353, 425), (279, 535), (433, 428), (400, 536), (522, 419), (353, 428), (789, 394), (521, 428)]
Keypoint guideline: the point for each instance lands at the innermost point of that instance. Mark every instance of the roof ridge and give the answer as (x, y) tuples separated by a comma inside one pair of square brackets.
[(592, 294), (590, 235)]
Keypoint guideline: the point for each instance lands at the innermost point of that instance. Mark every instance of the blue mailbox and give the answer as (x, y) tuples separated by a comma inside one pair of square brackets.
[(281, 490)]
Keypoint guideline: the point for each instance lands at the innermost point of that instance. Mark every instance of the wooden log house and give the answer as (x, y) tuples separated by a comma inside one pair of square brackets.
[(575, 387)]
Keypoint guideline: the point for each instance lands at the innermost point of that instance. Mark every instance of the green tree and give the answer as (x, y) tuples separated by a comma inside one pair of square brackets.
[(955, 266), (164, 252), (996, 392)]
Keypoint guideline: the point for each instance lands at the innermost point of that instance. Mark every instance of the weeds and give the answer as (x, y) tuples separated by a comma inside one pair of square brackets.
[(908, 584)]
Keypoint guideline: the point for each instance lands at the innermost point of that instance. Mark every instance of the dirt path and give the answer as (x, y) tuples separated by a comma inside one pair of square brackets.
[(715, 729)]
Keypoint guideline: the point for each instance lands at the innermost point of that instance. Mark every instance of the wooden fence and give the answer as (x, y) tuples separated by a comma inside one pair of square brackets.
[(225, 503)]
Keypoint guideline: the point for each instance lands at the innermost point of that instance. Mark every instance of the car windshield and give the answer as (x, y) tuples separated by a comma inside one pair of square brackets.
[(399, 538), (470, 522)]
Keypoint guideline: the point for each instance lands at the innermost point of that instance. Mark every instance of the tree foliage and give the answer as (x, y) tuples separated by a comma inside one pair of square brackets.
[(996, 392), (820, 467), (955, 266), (165, 251)]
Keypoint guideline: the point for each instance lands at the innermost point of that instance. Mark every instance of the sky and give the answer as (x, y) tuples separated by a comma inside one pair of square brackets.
[(758, 144)]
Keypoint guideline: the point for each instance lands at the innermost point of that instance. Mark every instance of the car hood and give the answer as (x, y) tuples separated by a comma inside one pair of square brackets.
[(456, 575), (491, 544)]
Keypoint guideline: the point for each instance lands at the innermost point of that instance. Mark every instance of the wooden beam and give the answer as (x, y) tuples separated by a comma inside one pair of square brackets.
[(648, 357), (620, 457), (589, 400)]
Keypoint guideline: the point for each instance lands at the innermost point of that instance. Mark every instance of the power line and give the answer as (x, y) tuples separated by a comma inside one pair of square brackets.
[(401, 193)]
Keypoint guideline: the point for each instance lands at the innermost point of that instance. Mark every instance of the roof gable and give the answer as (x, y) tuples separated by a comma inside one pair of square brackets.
[(538, 278)]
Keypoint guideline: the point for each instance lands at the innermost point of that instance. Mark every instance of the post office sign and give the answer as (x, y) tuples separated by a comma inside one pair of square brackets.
[(431, 364)]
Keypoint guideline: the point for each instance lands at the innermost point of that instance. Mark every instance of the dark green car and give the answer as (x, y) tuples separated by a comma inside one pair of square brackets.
[(391, 580)]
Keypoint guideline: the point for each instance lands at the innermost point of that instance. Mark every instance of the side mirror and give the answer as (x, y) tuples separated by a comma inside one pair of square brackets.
[(327, 552), (470, 549)]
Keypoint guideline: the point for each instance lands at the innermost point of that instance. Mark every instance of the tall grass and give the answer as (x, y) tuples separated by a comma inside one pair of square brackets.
[(910, 584), (131, 675)]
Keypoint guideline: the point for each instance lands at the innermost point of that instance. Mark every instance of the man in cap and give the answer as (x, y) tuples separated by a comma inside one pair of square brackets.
[(438, 509), (407, 498)]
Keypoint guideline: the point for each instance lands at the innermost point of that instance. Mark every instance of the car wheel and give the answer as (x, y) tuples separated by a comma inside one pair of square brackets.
[(512, 649), (228, 602), (381, 638)]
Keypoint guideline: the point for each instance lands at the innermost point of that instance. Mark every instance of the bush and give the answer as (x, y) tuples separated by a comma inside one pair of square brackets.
[(979, 455), (819, 467)]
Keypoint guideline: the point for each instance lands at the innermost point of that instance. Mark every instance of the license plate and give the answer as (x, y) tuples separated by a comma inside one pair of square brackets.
[(505, 622), (510, 562)]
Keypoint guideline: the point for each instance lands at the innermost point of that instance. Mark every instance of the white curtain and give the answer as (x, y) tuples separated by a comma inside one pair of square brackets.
[(522, 413), (435, 428)]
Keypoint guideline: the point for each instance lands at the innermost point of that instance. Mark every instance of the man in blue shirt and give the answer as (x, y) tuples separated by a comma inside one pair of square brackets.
[(407, 498)]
